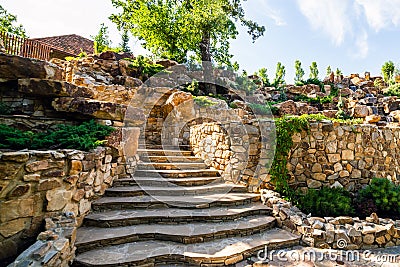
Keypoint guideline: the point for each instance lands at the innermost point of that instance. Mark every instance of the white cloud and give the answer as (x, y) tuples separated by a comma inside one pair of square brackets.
[(330, 16), (381, 14), (362, 45), (265, 9)]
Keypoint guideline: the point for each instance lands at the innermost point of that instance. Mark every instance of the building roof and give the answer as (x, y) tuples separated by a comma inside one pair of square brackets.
[(71, 44)]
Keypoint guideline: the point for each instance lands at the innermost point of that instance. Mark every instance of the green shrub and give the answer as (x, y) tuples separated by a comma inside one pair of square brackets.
[(5, 109), (86, 136), (326, 202), (385, 195), (145, 66), (204, 101), (393, 90)]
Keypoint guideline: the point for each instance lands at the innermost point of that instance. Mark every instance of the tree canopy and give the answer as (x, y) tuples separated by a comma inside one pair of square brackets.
[(8, 23), (175, 29)]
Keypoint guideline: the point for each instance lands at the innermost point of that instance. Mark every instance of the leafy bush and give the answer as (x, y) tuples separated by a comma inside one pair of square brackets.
[(204, 101), (5, 109), (86, 136), (145, 66), (393, 90), (384, 193), (326, 202)]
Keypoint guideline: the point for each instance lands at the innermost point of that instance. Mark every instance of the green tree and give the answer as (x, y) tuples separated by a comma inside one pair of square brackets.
[(7, 24), (125, 42), (314, 70), (262, 73), (173, 28), (328, 71), (338, 72), (299, 72), (388, 71), (279, 75), (102, 40)]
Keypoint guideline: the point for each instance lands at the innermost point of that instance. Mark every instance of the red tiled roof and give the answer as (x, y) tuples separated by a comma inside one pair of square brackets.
[(72, 43)]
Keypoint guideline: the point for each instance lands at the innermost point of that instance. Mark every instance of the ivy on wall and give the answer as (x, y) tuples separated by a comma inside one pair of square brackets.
[(286, 127)]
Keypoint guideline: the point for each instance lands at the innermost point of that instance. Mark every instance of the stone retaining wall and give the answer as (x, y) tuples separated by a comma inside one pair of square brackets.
[(236, 149), (38, 184), (347, 156), (337, 233)]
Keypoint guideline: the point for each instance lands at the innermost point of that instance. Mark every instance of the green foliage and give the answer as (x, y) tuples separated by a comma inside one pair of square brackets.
[(279, 75), (243, 83), (204, 101), (385, 194), (328, 71), (86, 136), (338, 72), (388, 71), (145, 66), (7, 24), (125, 42), (320, 100), (82, 54), (260, 109), (299, 72), (392, 90), (102, 41), (314, 71), (193, 88), (5, 109), (262, 73), (286, 127), (172, 29), (326, 202)]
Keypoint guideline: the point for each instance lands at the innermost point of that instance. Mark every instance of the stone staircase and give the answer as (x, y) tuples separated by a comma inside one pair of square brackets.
[(176, 212)]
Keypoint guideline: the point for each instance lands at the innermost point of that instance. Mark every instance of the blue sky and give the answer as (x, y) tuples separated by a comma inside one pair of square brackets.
[(354, 35)]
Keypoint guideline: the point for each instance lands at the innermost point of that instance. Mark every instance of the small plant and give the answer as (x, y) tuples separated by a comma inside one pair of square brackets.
[(260, 109), (86, 136), (5, 109), (243, 83), (204, 101), (82, 54), (314, 71), (341, 114), (393, 90), (193, 88), (385, 194), (262, 73), (326, 202), (328, 71), (388, 70), (279, 75), (145, 66), (299, 73)]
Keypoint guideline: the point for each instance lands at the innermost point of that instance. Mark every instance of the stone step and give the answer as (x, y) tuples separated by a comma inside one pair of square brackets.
[(163, 152), (115, 218), (166, 182), (94, 237), (171, 166), (221, 252), (177, 173), (200, 201), (174, 159), (130, 191), (161, 147)]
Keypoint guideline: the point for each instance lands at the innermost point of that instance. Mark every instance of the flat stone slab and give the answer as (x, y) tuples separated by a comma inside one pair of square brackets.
[(174, 159), (200, 201), (174, 190), (164, 152), (219, 252), (177, 173), (173, 215), (172, 166), (196, 232), (166, 182)]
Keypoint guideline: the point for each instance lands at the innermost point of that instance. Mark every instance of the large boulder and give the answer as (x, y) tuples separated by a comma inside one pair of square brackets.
[(52, 88)]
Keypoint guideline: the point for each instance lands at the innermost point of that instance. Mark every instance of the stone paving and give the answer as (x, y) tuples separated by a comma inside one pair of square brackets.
[(186, 216)]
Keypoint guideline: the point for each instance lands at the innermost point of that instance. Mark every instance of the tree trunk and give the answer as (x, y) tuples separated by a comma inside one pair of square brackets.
[(209, 88)]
